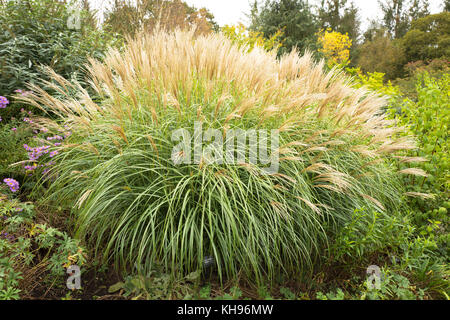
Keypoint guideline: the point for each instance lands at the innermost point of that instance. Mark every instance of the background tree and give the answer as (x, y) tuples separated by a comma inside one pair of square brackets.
[(429, 38), (89, 14), (340, 16), (374, 29), (131, 16), (418, 9), (380, 53), (293, 17), (447, 5), (398, 14)]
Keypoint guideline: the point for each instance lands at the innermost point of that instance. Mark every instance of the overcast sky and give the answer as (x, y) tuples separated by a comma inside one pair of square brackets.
[(233, 11)]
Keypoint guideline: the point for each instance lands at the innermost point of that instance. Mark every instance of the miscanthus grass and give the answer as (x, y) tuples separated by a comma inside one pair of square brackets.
[(138, 209)]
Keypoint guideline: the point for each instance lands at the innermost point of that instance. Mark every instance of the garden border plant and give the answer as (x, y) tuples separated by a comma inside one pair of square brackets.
[(137, 208)]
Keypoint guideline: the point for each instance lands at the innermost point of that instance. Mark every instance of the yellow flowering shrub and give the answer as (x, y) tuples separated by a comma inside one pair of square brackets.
[(335, 46)]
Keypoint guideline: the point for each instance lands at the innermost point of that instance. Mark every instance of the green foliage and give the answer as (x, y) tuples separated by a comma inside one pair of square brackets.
[(428, 119), (398, 14), (12, 136), (25, 244), (131, 17), (369, 232), (393, 286), (134, 205), (9, 278), (413, 267), (243, 37), (293, 17), (35, 33), (158, 285), (415, 243), (288, 294), (340, 17), (436, 68), (375, 81), (428, 38), (338, 295), (382, 54)]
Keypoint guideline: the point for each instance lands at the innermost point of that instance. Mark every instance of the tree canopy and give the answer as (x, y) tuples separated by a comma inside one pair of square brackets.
[(293, 17), (429, 38)]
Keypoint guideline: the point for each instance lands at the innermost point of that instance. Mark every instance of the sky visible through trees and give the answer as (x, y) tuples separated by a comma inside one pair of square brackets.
[(234, 11)]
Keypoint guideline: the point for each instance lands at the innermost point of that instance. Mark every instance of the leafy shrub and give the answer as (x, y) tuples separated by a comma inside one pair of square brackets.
[(370, 232), (243, 37), (138, 208), (35, 33), (382, 54), (428, 38), (436, 68), (375, 81), (428, 119)]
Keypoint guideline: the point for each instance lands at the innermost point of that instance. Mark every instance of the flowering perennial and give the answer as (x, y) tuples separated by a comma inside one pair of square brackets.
[(3, 102), (12, 184)]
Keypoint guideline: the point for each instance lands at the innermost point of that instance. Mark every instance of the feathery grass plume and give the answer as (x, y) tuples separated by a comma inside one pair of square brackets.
[(135, 207)]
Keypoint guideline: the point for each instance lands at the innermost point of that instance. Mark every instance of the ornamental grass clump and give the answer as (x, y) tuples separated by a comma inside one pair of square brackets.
[(138, 207)]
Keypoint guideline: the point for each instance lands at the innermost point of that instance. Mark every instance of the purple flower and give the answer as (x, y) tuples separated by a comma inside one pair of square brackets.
[(36, 153), (12, 184), (3, 102), (53, 153), (57, 137), (14, 129), (30, 168), (7, 236)]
